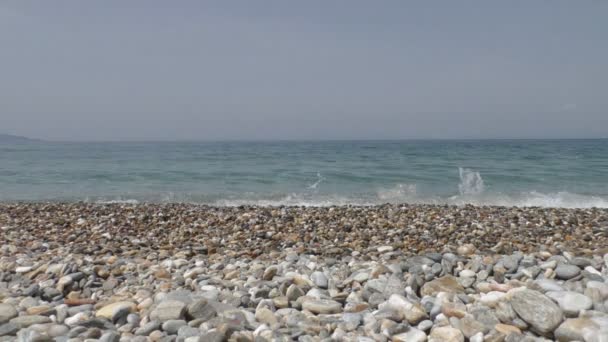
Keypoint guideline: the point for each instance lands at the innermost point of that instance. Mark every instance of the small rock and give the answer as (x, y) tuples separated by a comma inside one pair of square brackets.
[(270, 272), (294, 292), (201, 309), (446, 334), (173, 325), (571, 302), (168, 310), (579, 329), (537, 310), (322, 306), (466, 250), (447, 283), (411, 335), (319, 279), (26, 321), (565, 271), (7, 312), (116, 311), (8, 329)]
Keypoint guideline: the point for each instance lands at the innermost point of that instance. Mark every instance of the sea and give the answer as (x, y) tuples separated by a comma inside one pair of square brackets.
[(547, 173)]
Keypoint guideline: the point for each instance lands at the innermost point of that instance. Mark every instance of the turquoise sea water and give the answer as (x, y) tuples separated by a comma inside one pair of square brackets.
[(559, 173)]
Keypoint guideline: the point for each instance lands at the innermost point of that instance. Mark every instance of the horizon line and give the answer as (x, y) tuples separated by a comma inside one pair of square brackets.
[(52, 140)]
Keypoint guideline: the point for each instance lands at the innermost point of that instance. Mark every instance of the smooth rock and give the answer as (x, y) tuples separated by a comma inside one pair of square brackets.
[(8, 329), (411, 335), (322, 306), (448, 284), (571, 302), (446, 334), (168, 310), (319, 279), (537, 310), (565, 271), (117, 310), (173, 325), (26, 321), (201, 309), (579, 329), (7, 312)]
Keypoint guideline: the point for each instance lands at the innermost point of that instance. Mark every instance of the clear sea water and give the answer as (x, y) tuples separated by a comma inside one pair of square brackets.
[(555, 173)]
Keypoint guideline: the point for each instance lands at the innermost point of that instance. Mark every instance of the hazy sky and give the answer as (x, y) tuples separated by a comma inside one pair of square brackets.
[(115, 70)]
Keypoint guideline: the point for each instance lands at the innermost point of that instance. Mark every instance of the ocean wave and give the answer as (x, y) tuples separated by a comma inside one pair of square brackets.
[(471, 190), (401, 194)]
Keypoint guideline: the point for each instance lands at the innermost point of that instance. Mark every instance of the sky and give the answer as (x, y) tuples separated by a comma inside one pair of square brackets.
[(315, 69)]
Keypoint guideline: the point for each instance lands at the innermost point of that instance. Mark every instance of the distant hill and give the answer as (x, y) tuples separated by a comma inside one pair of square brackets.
[(7, 138)]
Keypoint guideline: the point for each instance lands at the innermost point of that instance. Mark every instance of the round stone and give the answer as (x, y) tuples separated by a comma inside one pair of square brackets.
[(571, 302), (565, 271), (319, 279), (115, 311), (7, 312), (537, 310), (322, 306)]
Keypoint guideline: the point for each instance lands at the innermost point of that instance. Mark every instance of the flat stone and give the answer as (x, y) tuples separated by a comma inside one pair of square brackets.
[(270, 272), (466, 249), (319, 279), (467, 274), (537, 310), (446, 334), (548, 285), (571, 302), (565, 271), (264, 315), (448, 284), (411, 335), (322, 306), (57, 330), (117, 310), (173, 325), (110, 336), (201, 309), (8, 329), (578, 329), (148, 328), (187, 331), (470, 327), (294, 292), (26, 321), (168, 310), (23, 269), (7, 312), (507, 329), (414, 313)]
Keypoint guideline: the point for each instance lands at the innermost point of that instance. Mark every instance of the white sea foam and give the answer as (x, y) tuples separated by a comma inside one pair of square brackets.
[(471, 190), (315, 185), (471, 182), (398, 195)]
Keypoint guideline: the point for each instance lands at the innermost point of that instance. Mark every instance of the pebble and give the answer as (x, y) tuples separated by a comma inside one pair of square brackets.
[(564, 271), (571, 302), (117, 310), (7, 311), (446, 334), (168, 310), (180, 272), (322, 306), (537, 310)]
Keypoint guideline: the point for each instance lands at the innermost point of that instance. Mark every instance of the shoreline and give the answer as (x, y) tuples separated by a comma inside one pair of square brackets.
[(409, 272)]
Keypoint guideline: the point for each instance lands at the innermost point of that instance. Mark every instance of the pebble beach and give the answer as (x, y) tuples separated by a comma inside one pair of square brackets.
[(187, 272)]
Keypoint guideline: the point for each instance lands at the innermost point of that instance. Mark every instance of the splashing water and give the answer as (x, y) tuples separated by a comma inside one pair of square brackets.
[(471, 182), (316, 184), (567, 173)]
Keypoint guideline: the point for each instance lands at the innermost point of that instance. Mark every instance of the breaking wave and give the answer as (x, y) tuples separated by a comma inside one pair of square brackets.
[(471, 189)]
